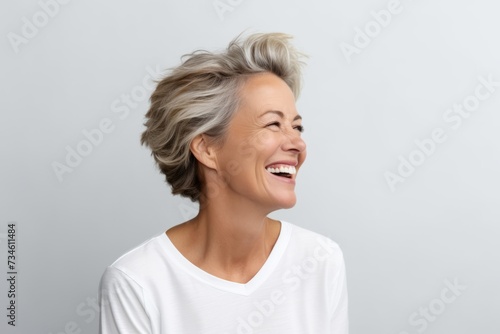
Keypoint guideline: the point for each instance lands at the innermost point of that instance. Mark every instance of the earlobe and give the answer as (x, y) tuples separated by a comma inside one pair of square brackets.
[(203, 151)]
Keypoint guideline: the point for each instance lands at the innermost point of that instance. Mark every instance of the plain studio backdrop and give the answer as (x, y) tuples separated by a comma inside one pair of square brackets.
[(401, 108)]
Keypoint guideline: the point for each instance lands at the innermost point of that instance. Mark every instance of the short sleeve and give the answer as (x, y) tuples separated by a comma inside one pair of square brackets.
[(339, 315), (122, 305)]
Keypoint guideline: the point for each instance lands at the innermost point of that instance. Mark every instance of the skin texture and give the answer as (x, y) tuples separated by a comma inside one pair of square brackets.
[(231, 237)]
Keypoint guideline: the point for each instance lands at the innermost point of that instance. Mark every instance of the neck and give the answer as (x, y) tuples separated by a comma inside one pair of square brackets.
[(231, 238)]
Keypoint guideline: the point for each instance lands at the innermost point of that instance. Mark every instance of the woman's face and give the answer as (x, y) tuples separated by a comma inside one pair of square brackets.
[(263, 150)]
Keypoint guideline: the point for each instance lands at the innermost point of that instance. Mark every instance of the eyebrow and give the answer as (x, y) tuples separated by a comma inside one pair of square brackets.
[(280, 114)]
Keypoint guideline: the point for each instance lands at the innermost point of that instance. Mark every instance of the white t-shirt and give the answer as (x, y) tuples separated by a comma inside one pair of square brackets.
[(300, 289)]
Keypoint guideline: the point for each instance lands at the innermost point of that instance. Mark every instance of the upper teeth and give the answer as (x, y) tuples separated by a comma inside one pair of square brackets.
[(282, 169)]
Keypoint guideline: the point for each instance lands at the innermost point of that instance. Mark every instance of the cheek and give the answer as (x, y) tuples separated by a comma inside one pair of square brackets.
[(250, 148), (261, 140), (234, 167), (239, 155)]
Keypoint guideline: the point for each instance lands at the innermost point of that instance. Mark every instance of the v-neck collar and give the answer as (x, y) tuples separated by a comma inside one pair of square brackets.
[(229, 286)]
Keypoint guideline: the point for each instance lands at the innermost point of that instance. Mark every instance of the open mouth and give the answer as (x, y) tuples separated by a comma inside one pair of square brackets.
[(282, 171)]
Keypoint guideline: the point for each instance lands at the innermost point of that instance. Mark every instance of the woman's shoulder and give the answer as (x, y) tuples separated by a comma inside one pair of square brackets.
[(309, 242), (142, 257)]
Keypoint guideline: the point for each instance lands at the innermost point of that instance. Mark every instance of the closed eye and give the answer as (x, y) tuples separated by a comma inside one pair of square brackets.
[(300, 128), (274, 124)]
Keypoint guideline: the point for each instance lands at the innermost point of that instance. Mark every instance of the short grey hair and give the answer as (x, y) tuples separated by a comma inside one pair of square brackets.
[(201, 95)]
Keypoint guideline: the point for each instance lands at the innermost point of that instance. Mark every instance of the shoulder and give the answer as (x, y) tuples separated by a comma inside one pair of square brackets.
[(311, 245), (139, 261), (307, 238)]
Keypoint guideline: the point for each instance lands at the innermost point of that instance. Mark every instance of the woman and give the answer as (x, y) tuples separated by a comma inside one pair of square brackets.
[(224, 129)]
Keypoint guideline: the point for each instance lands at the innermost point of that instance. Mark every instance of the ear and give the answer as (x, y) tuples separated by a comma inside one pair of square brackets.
[(204, 151)]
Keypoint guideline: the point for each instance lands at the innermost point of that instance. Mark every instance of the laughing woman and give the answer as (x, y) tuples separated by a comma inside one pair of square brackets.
[(224, 130)]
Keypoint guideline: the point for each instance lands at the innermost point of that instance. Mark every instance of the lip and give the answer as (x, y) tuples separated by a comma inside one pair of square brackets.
[(291, 180), (293, 163), (283, 179)]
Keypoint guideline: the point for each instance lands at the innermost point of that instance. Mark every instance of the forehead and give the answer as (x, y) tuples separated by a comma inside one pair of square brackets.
[(264, 92)]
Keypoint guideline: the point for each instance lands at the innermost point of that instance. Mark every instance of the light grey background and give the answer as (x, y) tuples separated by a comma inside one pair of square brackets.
[(361, 113)]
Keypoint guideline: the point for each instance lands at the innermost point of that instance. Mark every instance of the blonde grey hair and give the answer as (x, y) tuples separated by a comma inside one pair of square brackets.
[(201, 95)]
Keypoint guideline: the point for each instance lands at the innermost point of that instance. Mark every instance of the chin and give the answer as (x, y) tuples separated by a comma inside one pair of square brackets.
[(286, 203)]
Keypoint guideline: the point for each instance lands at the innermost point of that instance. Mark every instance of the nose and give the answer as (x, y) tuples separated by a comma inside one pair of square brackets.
[(294, 142)]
